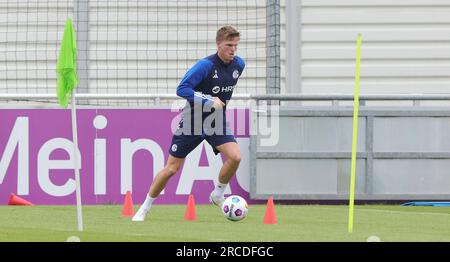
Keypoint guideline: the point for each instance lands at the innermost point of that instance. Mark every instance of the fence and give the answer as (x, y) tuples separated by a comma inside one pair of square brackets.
[(133, 46)]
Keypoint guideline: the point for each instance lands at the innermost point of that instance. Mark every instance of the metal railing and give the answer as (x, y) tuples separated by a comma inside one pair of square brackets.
[(280, 97)]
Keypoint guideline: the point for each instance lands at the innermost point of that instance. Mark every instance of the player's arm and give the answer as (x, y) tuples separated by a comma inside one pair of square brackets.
[(240, 62), (193, 77)]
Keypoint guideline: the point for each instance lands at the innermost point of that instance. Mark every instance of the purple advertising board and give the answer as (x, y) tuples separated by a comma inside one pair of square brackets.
[(121, 150)]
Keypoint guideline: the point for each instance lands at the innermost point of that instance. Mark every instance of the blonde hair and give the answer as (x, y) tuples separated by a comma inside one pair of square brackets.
[(226, 33)]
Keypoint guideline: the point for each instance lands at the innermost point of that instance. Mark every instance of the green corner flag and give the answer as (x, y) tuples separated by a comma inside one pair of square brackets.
[(66, 67)]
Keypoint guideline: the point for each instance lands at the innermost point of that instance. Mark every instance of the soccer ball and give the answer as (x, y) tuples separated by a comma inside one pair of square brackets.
[(235, 208)]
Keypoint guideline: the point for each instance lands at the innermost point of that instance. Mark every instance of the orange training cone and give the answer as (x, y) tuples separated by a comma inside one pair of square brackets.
[(18, 201), (270, 217), (128, 210), (190, 214)]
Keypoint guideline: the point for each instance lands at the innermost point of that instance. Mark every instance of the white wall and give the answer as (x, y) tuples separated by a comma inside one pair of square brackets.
[(30, 34), (405, 46)]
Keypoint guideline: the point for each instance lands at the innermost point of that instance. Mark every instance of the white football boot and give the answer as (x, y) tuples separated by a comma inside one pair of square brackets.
[(140, 215), (218, 201)]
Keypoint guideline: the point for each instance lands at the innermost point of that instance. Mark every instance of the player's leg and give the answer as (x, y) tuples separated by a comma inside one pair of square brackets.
[(163, 176), (181, 146), (229, 148), (158, 184), (233, 159)]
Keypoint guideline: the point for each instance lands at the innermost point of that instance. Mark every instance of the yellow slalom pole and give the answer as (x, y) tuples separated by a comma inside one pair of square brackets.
[(355, 136)]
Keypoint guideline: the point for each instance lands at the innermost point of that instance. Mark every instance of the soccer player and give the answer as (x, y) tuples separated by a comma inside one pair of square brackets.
[(207, 87)]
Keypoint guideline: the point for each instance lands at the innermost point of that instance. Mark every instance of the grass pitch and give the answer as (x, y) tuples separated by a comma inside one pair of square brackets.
[(166, 223)]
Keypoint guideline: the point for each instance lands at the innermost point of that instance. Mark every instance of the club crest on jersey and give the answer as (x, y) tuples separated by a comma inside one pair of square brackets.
[(216, 89), (235, 74), (215, 74)]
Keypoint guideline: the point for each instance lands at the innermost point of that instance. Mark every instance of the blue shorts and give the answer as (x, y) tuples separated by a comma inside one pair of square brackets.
[(182, 145)]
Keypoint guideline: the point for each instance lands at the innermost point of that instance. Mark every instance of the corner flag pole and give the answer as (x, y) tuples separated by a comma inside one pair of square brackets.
[(76, 160), (67, 81), (355, 136)]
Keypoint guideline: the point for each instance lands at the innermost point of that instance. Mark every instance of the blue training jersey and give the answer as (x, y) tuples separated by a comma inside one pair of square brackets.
[(209, 77)]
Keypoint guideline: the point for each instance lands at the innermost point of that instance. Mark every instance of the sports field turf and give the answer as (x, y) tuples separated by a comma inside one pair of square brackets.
[(166, 223)]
